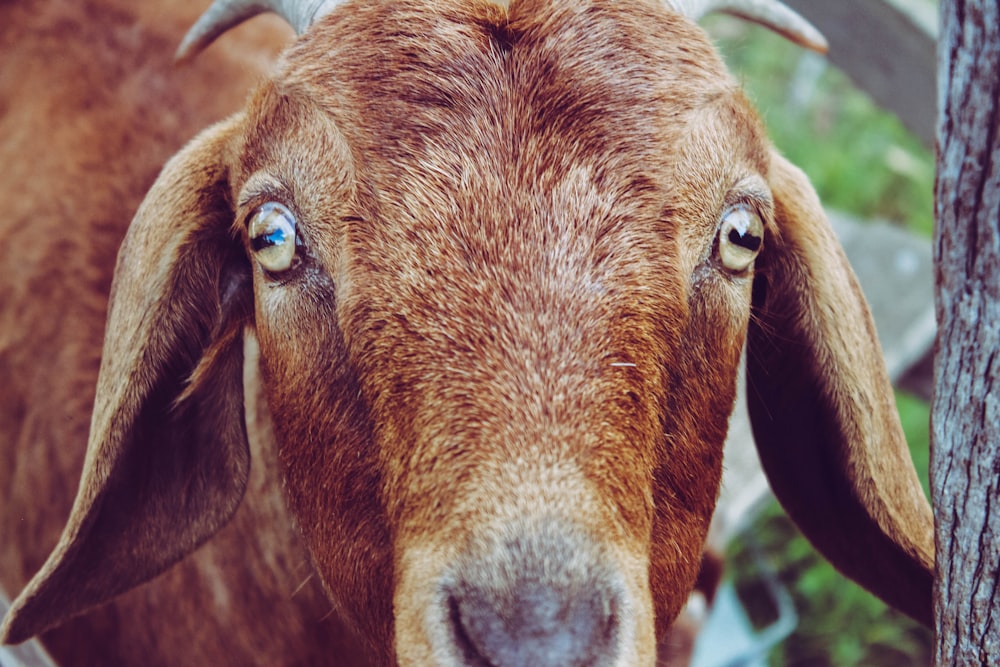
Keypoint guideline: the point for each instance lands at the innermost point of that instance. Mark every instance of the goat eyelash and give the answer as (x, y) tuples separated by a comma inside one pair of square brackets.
[(260, 188)]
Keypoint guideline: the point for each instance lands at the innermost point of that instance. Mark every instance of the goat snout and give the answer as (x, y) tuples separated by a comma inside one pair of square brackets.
[(541, 626), (543, 599)]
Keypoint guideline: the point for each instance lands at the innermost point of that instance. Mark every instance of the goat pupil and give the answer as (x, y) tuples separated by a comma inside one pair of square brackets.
[(748, 241), (276, 236)]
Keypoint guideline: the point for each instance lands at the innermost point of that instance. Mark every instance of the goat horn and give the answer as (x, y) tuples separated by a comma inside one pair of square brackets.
[(769, 13), (300, 14), (226, 14)]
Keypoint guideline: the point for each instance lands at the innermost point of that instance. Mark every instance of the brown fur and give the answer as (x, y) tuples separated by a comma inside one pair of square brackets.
[(509, 341)]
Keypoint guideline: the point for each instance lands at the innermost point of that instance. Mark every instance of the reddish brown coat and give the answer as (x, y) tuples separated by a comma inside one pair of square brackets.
[(508, 350)]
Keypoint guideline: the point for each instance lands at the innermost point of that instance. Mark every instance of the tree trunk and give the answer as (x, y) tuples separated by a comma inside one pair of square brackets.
[(965, 415)]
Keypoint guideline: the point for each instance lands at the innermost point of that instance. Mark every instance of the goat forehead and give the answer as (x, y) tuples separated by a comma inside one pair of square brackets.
[(414, 82)]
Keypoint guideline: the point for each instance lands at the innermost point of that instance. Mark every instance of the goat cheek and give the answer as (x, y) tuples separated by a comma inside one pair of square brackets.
[(332, 477), (687, 480)]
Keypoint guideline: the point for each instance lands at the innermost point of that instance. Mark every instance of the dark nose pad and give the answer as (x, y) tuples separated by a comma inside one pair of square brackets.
[(544, 599)]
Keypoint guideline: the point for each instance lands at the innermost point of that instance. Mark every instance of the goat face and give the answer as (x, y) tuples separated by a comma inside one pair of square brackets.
[(506, 283), (500, 267)]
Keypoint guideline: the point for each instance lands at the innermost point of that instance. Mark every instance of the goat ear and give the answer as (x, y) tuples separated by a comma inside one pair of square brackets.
[(167, 461), (823, 412)]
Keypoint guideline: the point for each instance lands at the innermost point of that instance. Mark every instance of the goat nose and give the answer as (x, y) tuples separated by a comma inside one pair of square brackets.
[(540, 629), (526, 605)]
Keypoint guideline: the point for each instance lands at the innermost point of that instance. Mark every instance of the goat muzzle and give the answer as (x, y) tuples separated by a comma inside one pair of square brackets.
[(544, 598), (542, 593)]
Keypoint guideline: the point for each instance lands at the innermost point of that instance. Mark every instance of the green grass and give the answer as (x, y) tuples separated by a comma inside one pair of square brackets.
[(863, 161)]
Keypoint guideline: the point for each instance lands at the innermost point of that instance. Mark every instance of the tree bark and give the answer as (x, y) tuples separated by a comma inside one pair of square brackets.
[(965, 414)]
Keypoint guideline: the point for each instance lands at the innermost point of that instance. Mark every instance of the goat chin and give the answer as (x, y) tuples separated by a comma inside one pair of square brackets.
[(425, 354)]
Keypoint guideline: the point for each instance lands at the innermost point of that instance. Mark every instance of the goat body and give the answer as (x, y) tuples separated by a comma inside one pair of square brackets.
[(503, 276), (92, 107)]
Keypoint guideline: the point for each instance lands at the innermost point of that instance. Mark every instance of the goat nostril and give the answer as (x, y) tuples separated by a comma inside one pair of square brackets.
[(463, 641), (534, 625)]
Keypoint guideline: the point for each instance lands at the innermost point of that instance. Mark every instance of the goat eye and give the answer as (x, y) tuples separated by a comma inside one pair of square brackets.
[(741, 236), (272, 237)]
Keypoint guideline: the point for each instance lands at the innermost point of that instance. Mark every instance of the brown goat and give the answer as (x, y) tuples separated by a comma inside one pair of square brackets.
[(498, 264)]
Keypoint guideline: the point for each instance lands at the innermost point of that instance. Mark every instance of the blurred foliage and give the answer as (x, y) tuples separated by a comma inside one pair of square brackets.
[(915, 415), (858, 156), (863, 161)]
